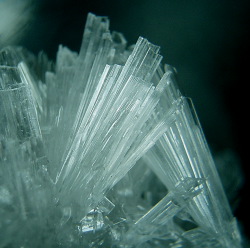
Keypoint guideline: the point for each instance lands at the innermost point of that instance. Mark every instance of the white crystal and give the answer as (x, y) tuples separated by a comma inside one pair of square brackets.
[(103, 149)]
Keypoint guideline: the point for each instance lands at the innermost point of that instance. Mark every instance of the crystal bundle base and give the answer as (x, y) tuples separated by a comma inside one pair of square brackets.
[(102, 149)]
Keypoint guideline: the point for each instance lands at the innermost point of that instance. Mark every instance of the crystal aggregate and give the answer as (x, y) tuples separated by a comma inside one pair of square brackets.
[(102, 149)]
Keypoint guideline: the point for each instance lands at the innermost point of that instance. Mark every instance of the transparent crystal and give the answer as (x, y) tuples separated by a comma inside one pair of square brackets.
[(102, 149)]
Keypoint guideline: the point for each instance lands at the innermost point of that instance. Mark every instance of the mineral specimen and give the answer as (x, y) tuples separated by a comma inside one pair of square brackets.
[(102, 149)]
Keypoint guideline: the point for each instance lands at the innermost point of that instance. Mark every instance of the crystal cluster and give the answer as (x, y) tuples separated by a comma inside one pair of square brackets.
[(102, 149)]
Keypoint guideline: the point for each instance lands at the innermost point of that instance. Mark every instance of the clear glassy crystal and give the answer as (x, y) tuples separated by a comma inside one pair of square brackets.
[(102, 149)]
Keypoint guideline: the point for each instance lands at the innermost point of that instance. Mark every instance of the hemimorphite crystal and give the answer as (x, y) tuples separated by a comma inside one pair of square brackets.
[(103, 149)]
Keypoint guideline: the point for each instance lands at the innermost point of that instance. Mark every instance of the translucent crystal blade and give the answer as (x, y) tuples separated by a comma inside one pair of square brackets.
[(182, 153)]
